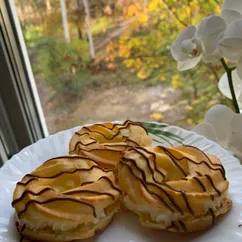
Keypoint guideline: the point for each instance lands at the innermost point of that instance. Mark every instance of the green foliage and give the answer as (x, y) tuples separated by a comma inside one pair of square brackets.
[(161, 136), (140, 53), (32, 34), (101, 25), (64, 66), (145, 50), (200, 92)]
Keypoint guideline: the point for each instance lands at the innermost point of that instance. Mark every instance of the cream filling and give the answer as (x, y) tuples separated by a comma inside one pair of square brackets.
[(165, 216), (56, 226)]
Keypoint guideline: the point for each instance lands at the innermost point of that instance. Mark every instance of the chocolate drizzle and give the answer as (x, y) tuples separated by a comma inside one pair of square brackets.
[(67, 172), (87, 183), (198, 163), (200, 183), (153, 193), (148, 164), (21, 232), (90, 191), (102, 149), (111, 183), (220, 165), (70, 157), (145, 183), (107, 179), (212, 184), (132, 141), (75, 200), (22, 229), (205, 190), (183, 195), (119, 127), (183, 226), (79, 142), (187, 202), (26, 183), (190, 146), (199, 173), (147, 161), (213, 215), (173, 225), (97, 132), (34, 177), (174, 161), (32, 193), (64, 193)]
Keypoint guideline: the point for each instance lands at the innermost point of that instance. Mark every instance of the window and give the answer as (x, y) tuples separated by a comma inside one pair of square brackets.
[(82, 61), (22, 122)]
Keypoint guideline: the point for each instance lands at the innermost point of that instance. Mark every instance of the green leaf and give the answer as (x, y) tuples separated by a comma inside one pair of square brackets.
[(158, 131)]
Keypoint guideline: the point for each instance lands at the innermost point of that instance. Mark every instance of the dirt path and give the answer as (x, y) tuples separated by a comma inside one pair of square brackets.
[(118, 103)]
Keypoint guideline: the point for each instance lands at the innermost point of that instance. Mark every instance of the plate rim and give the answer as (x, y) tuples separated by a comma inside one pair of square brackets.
[(170, 128)]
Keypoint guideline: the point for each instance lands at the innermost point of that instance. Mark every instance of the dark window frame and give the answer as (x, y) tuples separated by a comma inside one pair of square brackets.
[(22, 121)]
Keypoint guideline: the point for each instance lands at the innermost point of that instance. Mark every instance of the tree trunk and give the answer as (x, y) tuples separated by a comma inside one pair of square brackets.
[(89, 32), (64, 20), (48, 5), (79, 17), (79, 32)]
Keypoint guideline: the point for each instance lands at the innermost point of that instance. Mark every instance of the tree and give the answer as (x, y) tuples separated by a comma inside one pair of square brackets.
[(65, 21), (48, 5), (144, 50), (89, 32)]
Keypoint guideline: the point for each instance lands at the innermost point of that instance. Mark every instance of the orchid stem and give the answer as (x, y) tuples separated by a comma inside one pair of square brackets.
[(231, 86)]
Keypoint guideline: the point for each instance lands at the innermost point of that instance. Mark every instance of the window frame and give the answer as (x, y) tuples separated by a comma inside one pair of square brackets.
[(23, 121)]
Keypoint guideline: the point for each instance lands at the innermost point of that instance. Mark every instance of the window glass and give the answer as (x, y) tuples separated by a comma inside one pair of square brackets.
[(110, 60)]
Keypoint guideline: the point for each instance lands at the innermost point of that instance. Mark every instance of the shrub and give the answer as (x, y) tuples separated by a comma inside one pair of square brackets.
[(63, 66)]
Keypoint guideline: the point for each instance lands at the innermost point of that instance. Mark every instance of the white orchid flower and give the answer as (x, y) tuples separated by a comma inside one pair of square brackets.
[(195, 43), (231, 44), (187, 49), (209, 32), (223, 126), (223, 86), (231, 10)]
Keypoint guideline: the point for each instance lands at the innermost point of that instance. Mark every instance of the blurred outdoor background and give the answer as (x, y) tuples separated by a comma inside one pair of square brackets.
[(103, 60)]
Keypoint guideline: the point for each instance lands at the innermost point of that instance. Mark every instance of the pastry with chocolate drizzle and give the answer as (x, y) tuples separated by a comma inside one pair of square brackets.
[(107, 142), (180, 189), (65, 199)]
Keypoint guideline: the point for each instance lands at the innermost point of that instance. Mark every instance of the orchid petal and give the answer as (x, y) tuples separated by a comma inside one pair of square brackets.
[(236, 123), (235, 138), (208, 32), (234, 30), (223, 85), (211, 57), (239, 99), (231, 48), (233, 5), (220, 116), (207, 130), (188, 64), (187, 33), (231, 44), (239, 69), (230, 15), (181, 56), (235, 144)]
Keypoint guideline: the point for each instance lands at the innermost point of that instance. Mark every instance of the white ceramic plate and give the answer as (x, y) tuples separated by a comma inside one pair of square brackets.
[(125, 227)]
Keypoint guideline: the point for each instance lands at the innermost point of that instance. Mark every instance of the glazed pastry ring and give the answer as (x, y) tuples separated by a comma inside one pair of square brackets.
[(66, 198), (180, 189)]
